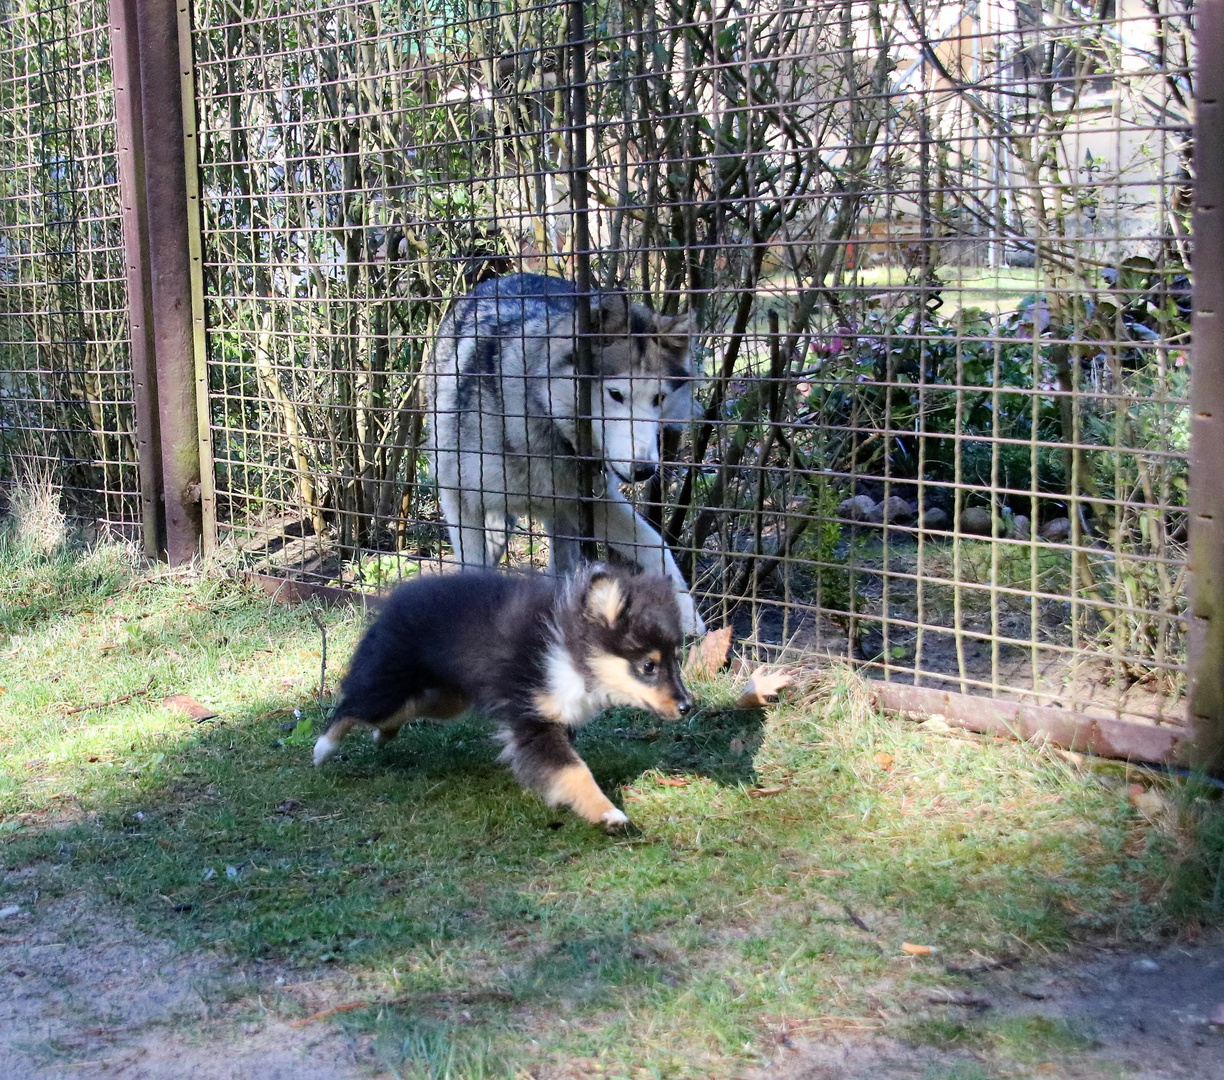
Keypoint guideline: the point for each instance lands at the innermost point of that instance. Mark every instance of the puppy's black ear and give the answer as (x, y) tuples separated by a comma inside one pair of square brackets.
[(605, 599), (611, 315)]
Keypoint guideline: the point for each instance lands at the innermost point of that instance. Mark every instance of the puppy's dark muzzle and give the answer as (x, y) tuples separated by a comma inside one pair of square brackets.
[(684, 706)]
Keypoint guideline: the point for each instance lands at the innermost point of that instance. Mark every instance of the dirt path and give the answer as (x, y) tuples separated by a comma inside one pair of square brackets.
[(81, 995), (1144, 1015)]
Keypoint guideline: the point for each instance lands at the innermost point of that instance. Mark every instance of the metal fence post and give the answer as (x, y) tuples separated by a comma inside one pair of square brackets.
[(159, 271), (1206, 557), (576, 122), (195, 250), (125, 62)]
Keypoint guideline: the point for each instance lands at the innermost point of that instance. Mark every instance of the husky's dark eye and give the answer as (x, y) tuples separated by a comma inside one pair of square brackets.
[(617, 396), (657, 401)]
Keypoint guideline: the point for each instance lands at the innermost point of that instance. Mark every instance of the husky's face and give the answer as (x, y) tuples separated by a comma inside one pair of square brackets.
[(644, 374), (633, 642)]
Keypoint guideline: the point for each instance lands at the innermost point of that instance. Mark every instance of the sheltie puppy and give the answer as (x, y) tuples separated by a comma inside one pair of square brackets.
[(541, 655)]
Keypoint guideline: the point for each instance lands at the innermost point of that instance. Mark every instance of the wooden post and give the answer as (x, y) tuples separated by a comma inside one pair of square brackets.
[(1206, 615), (153, 181)]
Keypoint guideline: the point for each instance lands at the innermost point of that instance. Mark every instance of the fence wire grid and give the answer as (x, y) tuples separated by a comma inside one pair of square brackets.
[(931, 263), (66, 405)]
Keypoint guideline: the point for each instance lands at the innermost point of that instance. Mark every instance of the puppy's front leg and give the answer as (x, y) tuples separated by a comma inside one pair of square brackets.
[(540, 755)]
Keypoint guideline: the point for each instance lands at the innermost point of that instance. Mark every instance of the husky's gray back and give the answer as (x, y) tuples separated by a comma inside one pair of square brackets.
[(502, 391)]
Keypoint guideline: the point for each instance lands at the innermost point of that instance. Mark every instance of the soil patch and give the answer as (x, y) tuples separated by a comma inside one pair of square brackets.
[(1144, 1015), (83, 995)]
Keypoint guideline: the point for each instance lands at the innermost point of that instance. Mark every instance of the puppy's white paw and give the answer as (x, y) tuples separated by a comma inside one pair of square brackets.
[(691, 621), (614, 818), (376, 736), (324, 749)]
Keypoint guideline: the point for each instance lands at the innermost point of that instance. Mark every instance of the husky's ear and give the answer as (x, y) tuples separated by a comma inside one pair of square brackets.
[(604, 601), (676, 330), (611, 315)]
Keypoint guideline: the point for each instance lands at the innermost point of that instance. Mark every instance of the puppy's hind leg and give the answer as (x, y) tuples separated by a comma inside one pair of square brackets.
[(329, 741), (440, 704), (541, 757)]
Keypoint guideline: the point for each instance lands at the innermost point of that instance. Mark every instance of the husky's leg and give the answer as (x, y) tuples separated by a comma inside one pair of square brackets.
[(467, 542), (498, 527), (469, 532), (564, 539), (621, 528), (541, 757)]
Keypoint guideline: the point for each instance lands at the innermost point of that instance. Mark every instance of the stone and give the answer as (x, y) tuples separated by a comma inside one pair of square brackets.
[(935, 518), (1057, 530), (857, 508), (975, 520), (1020, 527), (896, 510)]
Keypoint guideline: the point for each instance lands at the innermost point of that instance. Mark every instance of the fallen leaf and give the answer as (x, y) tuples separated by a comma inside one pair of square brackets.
[(185, 703), (1147, 802), (709, 656), (917, 950), (673, 781), (885, 761), (764, 792), (763, 686)]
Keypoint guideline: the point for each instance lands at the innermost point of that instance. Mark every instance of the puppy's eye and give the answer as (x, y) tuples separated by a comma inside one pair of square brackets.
[(649, 668), (657, 401), (617, 396)]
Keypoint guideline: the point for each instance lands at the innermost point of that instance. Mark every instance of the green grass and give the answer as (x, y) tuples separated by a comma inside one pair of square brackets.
[(1025, 1040), (423, 871)]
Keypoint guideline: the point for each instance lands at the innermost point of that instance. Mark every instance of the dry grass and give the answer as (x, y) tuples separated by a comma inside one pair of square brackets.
[(35, 521)]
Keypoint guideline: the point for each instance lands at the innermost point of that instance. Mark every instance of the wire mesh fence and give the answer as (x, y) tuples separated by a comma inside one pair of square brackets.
[(882, 308), (65, 382), (937, 264)]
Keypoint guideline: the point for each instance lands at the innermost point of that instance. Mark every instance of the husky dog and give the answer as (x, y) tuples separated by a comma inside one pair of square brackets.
[(539, 654), (503, 396)]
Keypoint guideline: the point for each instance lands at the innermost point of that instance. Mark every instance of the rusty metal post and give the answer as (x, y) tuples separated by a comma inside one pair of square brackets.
[(125, 64), (155, 196), (195, 251), (1206, 559), (576, 124)]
